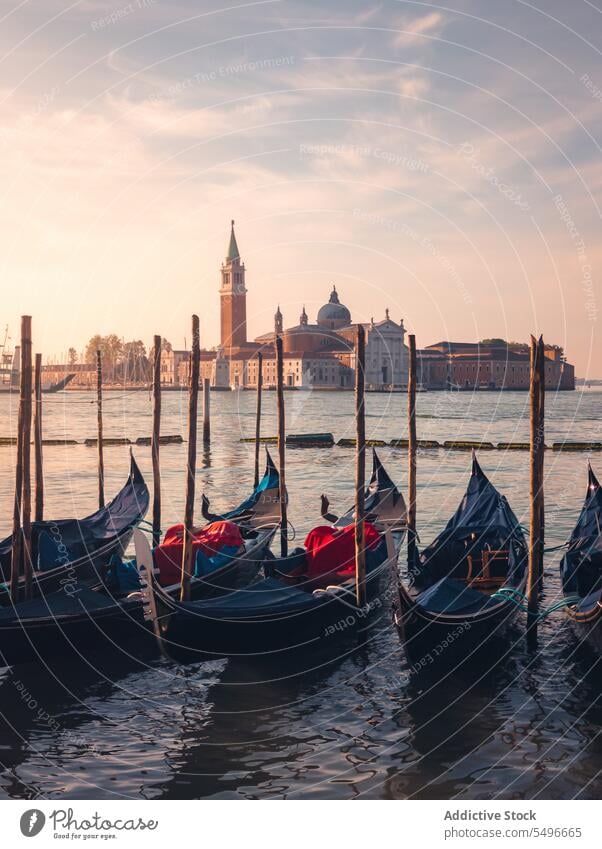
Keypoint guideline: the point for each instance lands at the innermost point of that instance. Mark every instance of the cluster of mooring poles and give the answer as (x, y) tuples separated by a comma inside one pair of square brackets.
[(31, 386), (190, 481)]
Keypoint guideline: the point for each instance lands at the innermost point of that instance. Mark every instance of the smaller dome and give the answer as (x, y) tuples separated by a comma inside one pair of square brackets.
[(334, 312)]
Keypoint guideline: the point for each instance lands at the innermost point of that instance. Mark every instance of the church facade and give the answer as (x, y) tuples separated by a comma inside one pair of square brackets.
[(318, 355)]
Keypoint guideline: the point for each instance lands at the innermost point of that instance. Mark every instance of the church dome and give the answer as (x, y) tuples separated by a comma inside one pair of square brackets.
[(334, 314)]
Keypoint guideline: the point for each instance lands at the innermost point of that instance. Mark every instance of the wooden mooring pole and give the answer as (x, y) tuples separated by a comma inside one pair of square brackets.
[(258, 417), (206, 411), (155, 439), (360, 467), (281, 446), (412, 445), (536, 540), (37, 437), (193, 404), (101, 462), (542, 455), (27, 417), (17, 531)]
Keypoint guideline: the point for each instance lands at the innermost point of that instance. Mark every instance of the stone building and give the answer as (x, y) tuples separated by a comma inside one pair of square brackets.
[(494, 365), (171, 361), (333, 337)]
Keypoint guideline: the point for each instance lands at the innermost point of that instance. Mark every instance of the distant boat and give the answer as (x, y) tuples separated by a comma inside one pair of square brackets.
[(49, 388), (59, 384)]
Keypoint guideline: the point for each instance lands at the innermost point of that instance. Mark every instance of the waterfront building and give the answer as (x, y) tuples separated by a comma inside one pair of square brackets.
[(171, 360), (489, 365), (386, 353)]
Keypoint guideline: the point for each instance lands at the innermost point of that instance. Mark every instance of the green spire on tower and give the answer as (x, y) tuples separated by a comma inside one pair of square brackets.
[(233, 248)]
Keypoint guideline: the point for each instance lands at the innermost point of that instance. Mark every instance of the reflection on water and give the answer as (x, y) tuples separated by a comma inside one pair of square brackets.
[(350, 722)]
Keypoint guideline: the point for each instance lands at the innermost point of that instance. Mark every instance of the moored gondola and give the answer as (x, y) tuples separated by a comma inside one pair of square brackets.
[(227, 568), (69, 551), (305, 598), (465, 588), (581, 568), (260, 509), (384, 504), (75, 620), (73, 617)]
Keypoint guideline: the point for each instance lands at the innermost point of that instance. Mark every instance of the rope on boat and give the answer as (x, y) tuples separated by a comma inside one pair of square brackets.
[(148, 530), (146, 522), (292, 537), (556, 547), (520, 600)]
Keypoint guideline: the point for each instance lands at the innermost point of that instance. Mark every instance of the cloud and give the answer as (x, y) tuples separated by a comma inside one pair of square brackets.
[(123, 160), (414, 30)]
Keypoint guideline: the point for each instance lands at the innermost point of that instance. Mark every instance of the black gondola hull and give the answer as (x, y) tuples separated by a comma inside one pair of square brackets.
[(435, 640), (279, 631), (119, 630), (89, 543), (588, 628), (581, 569), (466, 605)]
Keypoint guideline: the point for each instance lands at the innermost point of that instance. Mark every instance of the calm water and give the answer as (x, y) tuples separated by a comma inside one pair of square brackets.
[(352, 725)]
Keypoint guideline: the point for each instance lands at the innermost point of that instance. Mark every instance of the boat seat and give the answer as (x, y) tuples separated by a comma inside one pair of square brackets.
[(489, 571)]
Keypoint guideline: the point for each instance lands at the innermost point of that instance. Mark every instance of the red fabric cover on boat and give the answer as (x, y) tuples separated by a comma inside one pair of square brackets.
[(331, 552), (210, 540)]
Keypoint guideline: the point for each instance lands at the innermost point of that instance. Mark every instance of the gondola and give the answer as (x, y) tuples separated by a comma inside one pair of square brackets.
[(261, 508), (581, 568), (73, 620), (384, 504), (257, 519), (465, 586), (65, 551), (292, 608), (109, 613)]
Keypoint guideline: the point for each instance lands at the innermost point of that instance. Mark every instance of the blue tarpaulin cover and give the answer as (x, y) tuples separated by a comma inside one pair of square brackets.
[(66, 540), (483, 520), (581, 566), (62, 603), (449, 596)]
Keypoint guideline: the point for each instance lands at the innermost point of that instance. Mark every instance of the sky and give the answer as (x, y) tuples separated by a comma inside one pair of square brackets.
[(439, 160)]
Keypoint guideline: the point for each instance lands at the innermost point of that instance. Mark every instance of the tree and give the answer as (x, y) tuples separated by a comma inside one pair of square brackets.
[(71, 356), (92, 347), (134, 365), (111, 353)]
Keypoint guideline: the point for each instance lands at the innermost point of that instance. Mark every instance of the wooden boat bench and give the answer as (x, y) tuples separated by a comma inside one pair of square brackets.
[(489, 571)]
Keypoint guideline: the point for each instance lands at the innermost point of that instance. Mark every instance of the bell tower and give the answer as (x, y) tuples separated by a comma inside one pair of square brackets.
[(233, 297)]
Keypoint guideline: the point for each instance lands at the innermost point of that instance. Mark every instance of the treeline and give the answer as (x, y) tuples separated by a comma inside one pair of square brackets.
[(123, 362)]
